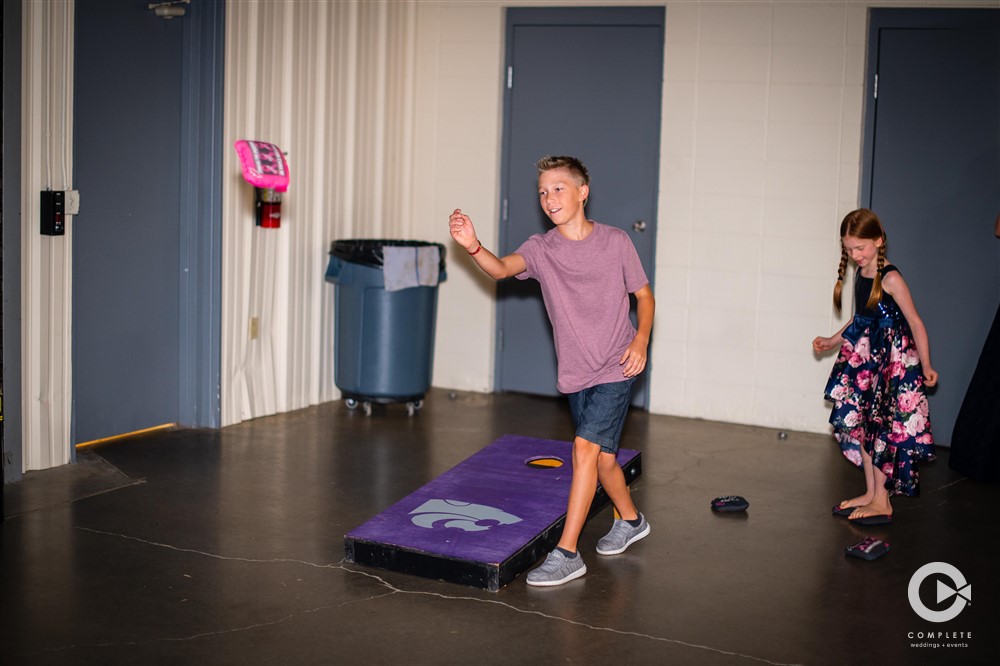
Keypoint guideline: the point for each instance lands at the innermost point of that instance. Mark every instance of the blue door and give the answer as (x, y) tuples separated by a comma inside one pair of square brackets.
[(588, 83), (932, 174), (147, 162), (126, 283)]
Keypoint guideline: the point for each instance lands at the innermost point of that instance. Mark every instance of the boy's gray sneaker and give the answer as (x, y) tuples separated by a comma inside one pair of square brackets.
[(621, 536), (557, 569)]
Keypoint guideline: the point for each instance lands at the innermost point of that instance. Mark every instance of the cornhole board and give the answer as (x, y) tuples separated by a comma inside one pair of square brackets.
[(484, 521)]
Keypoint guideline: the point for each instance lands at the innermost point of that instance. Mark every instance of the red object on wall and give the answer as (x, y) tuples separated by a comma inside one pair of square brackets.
[(268, 208)]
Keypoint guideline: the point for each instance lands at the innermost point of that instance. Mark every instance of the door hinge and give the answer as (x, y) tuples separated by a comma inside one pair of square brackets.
[(875, 91), (510, 77), (504, 209), (500, 340)]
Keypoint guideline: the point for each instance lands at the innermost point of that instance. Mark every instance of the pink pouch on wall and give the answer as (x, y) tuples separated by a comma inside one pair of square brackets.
[(263, 165)]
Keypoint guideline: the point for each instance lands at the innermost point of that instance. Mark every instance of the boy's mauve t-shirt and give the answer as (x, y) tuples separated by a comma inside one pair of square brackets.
[(585, 286)]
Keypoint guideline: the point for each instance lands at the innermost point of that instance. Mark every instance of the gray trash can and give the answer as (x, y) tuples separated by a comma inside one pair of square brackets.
[(383, 340)]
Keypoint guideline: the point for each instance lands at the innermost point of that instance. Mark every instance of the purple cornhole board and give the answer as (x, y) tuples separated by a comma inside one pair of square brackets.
[(484, 521)]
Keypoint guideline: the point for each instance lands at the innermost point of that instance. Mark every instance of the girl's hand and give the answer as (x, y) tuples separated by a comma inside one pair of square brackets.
[(821, 344), (462, 230), (930, 376)]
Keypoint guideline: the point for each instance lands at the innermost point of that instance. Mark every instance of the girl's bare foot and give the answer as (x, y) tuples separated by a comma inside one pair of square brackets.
[(879, 507), (860, 500)]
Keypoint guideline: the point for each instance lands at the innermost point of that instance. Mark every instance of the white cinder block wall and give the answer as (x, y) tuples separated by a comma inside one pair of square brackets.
[(761, 153)]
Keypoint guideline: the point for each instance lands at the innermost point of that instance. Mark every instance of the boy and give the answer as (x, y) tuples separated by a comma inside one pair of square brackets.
[(586, 271)]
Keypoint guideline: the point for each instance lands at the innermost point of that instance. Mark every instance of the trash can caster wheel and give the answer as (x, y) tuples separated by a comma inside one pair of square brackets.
[(413, 407), (351, 403), (367, 408)]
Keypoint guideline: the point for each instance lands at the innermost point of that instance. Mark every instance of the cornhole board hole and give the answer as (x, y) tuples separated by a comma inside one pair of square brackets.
[(484, 521)]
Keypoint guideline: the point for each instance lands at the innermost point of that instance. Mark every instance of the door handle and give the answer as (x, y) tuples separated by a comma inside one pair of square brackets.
[(639, 226)]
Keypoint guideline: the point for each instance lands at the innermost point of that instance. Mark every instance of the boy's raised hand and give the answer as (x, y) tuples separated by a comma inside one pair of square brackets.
[(462, 230)]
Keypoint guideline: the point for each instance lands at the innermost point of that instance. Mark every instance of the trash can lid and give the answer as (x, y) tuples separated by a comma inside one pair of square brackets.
[(368, 251)]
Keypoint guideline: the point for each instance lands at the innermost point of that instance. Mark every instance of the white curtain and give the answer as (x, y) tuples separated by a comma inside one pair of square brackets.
[(331, 83), (46, 261)]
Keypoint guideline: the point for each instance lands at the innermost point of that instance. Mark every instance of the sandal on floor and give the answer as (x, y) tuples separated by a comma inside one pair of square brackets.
[(868, 549), (880, 519)]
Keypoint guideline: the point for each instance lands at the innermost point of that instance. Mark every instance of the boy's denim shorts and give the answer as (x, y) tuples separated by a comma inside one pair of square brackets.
[(599, 412)]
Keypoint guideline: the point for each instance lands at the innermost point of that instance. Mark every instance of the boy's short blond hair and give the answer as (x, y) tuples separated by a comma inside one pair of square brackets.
[(572, 164)]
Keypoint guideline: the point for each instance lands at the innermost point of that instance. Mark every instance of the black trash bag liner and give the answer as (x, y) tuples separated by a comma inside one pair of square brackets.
[(368, 251)]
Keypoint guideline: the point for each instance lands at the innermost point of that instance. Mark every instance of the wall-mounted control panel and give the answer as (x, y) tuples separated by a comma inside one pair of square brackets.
[(53, 208)]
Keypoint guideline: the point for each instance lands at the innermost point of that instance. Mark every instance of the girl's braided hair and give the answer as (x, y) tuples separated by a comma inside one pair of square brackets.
[(864, 224)]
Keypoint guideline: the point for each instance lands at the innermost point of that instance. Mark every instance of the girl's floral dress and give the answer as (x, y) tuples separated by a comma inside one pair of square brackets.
[(877, 390)]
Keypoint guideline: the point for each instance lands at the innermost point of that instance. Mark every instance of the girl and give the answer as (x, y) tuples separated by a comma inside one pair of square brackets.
[(880, 414)]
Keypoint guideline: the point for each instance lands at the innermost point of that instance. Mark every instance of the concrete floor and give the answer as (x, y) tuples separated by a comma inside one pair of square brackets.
[(226, 547)]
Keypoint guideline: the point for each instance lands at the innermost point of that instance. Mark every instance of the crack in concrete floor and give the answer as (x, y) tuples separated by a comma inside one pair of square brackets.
[(390, 590)]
